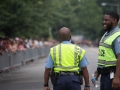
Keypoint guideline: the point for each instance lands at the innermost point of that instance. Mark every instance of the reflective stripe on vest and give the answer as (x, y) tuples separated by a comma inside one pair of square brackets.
[(76, 50), (105, 45), (106, 55), (60, 61), (107, 63), (54, 53)]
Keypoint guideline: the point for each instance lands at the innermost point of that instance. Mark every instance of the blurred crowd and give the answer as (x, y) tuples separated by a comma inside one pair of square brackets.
[(85, 42), (17, 44)]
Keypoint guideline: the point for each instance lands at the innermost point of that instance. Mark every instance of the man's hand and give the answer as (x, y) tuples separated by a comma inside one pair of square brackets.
[(96, 74), (116, 80), (94, 80), (46, 88), (95, 77), (116, 83)]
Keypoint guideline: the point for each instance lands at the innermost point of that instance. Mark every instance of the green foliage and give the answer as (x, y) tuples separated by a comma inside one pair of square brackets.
[(111, 5), (91, 18), (33, 18)]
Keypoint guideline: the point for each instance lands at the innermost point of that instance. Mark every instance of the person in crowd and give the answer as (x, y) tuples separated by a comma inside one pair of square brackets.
[(12, 46), (21, 46)]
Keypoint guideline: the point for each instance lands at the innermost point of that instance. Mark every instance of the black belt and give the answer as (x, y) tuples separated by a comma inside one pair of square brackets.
[(106, 70), (66, 73)]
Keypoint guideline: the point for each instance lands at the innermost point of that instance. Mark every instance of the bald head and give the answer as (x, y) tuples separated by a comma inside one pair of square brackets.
[(64, 34)]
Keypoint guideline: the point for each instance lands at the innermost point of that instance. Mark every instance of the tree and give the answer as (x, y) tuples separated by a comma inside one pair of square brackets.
[(33, 18)]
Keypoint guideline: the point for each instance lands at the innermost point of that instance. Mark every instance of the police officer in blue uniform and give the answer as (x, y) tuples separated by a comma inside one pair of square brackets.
[(109, 54), (67, 78)]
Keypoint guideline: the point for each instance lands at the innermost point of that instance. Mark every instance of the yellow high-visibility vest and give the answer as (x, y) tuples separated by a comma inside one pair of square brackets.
[(66, 57), (106, 56)]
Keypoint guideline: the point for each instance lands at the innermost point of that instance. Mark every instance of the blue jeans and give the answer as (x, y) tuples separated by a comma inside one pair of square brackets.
[(68, 82), (106, 82)]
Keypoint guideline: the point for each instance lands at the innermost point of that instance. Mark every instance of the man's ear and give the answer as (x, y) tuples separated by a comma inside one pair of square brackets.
[(70, 36), (58, 37), (114, 20)]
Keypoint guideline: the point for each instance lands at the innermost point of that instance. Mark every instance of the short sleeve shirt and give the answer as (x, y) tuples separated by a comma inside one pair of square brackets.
[(49, 63)]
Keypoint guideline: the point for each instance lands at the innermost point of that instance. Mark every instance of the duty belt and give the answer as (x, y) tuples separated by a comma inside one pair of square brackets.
[(66, 73), (106, 70)]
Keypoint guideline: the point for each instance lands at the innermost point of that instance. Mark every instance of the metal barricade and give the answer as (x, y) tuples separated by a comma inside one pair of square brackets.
[(8, 59), (4, 61)]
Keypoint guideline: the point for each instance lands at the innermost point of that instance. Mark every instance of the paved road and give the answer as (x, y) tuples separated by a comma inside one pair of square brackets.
[(30, 77)]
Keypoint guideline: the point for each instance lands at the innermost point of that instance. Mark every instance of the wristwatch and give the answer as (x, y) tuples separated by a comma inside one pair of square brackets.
[(46, 85), (88, 86)]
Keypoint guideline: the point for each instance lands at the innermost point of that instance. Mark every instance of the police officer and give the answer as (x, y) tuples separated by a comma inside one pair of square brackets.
[(109, 54), (67, 60)]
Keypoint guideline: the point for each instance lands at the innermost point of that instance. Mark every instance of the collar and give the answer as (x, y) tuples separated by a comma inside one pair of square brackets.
[(66, 42), (112, 30)]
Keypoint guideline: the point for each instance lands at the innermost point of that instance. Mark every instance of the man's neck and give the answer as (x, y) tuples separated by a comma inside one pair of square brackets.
[(112, 28)]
